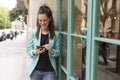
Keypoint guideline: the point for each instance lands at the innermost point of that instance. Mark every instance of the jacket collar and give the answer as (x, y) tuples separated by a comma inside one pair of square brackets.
[(51, 41)]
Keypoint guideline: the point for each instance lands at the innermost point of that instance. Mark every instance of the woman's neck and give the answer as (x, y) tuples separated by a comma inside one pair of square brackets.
[(45, 31)]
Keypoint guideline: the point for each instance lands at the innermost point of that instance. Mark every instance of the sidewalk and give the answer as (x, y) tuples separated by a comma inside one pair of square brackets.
[(13, 58)]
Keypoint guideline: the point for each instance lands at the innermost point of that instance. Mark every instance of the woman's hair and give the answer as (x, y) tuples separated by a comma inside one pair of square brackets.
[(46, 10)]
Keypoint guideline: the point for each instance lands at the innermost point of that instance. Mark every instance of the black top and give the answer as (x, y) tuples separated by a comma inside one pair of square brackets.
[(44, 61)]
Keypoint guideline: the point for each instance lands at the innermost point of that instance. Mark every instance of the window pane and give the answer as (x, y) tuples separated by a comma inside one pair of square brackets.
[(64, 15), (110, 19), (77, 58), (80, 27), (64, 50), (63, 76), (109, 61), (80, 16), (109, 54)]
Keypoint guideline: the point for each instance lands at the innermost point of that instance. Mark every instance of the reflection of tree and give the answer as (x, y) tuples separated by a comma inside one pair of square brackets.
[(108, 13), (111, 13)]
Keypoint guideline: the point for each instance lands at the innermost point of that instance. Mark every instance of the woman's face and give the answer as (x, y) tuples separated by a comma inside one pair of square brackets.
[(43, 21)]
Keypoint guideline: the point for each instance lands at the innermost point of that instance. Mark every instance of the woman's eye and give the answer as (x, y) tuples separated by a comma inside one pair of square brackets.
[(43, 20), (40, 20)]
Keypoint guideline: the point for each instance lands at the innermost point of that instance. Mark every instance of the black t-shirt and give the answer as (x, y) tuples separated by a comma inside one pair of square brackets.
[(44, 61)]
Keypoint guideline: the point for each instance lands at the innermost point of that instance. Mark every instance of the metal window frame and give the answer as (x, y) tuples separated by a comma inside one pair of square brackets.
[(91, 69), (93, 17)]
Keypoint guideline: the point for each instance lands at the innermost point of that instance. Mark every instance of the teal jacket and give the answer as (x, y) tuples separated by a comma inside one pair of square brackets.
[(31, 45)]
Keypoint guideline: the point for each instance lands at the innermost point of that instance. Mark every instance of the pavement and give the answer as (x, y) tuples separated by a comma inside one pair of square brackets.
[(13, 58)]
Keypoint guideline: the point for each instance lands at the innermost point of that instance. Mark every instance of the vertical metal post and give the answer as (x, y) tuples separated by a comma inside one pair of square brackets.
[(59, 14), (69, 38), (93, 23), (94, 52), (59, 25), (89, 39)]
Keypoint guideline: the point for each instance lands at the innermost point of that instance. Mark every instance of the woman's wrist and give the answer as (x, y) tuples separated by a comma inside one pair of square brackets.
[(51, 51), (34, 52)]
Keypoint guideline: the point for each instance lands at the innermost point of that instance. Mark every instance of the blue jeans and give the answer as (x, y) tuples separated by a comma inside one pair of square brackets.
[(39, 75)]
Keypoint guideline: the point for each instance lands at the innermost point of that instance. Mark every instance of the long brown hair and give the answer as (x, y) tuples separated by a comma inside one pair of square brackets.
[(46, 10)]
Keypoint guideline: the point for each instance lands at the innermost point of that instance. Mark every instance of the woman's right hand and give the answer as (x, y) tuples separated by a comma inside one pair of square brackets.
[(39, 50)]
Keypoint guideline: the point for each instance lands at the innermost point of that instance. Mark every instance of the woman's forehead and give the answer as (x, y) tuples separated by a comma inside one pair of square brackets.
[(42, 16)]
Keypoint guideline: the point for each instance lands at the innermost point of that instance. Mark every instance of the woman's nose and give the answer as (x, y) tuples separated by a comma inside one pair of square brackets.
[(42, 22)]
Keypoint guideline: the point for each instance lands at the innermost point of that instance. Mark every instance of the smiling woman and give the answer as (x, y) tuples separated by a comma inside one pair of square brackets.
[(8, 3)]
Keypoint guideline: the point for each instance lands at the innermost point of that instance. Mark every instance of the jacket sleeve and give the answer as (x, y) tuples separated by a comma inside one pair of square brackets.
[(56, 46), (30, 44)]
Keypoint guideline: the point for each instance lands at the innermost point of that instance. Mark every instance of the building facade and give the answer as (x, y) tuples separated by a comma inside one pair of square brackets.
[(102, 19)]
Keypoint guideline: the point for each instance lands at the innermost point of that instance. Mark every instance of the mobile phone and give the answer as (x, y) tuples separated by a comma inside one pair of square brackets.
[(39, 47)]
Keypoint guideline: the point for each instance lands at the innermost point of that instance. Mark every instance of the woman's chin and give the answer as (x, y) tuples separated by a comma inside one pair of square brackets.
[(43, 28)]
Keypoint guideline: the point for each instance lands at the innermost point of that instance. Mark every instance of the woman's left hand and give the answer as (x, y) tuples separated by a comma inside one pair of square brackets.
[(49, 48)]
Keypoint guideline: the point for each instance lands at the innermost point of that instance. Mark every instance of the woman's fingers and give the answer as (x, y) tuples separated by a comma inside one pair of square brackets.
[(47, 46), (39, 51)]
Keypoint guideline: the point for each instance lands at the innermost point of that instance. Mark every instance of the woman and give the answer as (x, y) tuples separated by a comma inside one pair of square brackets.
[(43, 47)]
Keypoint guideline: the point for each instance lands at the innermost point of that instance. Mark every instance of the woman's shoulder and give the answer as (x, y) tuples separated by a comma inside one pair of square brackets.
[(33, 30), (57, 33)]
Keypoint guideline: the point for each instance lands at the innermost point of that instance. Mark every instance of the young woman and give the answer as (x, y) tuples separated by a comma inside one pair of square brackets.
[(43, 47)]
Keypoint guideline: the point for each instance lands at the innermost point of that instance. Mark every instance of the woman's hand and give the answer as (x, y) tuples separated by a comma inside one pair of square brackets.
[(39, 50), (49, 48)]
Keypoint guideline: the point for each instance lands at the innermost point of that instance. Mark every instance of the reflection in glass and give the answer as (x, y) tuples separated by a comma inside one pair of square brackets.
[(80, 27), (64, 50), (109, 19), (77, 59), (111, 53), (80, 14), (104, 51), (77, 20), (84, 26), (64, 15), (64, 76)]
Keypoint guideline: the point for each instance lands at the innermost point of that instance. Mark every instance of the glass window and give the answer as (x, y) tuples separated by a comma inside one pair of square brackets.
[(109, 19), (63, 76), (109, 57), (77, 58), (64, 50), (80, 28), (80, 16), (64, 15)]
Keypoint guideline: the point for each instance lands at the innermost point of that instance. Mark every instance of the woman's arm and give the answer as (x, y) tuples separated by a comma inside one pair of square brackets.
[(30, 44), (56, 46)]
